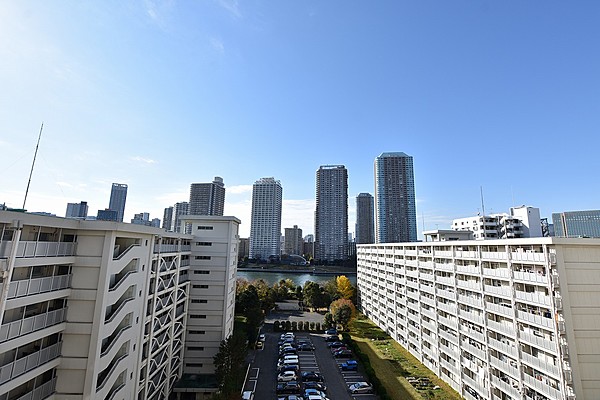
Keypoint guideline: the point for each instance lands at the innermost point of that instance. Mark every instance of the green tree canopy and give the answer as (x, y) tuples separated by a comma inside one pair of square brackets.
[(343, 311), (229, 363)]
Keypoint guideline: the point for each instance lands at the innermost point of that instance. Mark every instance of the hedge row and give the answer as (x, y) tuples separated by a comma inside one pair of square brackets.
[(279, 326), (369, 371)]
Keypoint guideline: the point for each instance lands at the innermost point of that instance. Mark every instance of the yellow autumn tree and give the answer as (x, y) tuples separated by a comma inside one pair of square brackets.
[(344, 287)]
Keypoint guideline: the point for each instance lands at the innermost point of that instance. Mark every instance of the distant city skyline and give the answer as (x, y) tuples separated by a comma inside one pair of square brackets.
[(159, 95)]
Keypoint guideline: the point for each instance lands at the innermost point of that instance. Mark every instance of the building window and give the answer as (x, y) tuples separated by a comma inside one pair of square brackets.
[(197, 316), (201, 272), (197, 332), (198, 301), (197, 365), (200, 286), (205, 228), (203, 243), (202, 257), (196, 348)]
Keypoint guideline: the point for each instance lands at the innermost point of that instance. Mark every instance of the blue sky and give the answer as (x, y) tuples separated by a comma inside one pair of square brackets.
[(504, 95)]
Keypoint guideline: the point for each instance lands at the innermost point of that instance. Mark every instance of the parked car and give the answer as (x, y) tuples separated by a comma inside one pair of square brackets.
[(316, 397), (335, 345), (290, 397), (306, 347), (331, 331), (361, 387), (287, 351), (315, 385), (344, 353), (312, 376), (289, 367), (332, 338), (350, 365), (314, 392), (248, 395), (262, 337), (291, 387), (287, 376)]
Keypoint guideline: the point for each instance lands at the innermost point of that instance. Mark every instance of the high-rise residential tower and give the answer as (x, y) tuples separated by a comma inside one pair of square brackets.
[(331, 215), (293, 244), (168, 219), (265, 222), (207, 198), (365, 223), (118, 196), (180, 209), (77, 210), (395, 209)]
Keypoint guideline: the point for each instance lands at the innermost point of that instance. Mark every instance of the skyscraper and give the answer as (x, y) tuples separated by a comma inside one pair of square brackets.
[(396, 216), (118, 196), (577, 223), (180, 209), (77, 210), (294, 244), (331, 215), (207, 198), (265, 222), (168, 219), (365, 223)]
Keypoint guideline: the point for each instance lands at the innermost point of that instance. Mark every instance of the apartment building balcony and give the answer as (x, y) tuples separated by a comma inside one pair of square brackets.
[(108, 375), (412, 253), (428, 264), (448, 267), (446, 280), (452, 323), (474, 350), (536, 298), (500, 309), (505, 366), (29, 362), (447, 294), (494, 255), (27, 287), (540, 365), (477, 386), (473, 317), (507, 387), (31, 249), (428, 300), (496, 272), (473, 333), (429, 325), (427, 288), (30, 324), (468, 269), (527, 256), (469, 254), (410, 263), (470, 300), (537, 340), (537, 318), (505, 348), (450, 366), (507, 329), (542, 386), (503, 290), (449, 308), (40, 392), (443, 253), (428, 312)]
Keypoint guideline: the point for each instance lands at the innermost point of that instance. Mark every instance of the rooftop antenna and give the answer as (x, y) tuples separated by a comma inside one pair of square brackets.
[(32, 164), (482, 206)]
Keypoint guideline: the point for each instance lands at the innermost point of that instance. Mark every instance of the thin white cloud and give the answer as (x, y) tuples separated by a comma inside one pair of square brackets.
[(217, 44), (64, 184), (143, 160), (231, 6), (239, 189), (170, 199)]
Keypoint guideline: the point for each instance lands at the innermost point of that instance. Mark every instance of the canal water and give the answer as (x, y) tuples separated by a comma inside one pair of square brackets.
[(298, 279)]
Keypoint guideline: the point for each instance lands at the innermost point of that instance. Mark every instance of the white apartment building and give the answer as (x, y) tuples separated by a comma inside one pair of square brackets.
[(91, 309), (501, 319), (523, 221)]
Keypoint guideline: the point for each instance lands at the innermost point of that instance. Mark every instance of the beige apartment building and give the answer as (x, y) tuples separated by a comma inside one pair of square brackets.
[(501, 319), (97, 309)]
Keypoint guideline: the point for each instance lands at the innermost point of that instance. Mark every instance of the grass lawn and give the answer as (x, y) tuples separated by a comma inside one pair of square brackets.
[(394, 364)]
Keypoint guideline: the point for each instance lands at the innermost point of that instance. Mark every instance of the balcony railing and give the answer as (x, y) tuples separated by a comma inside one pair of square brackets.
[(31, 324), (38, 285), (39, 249), (29, 362), (41, 392)]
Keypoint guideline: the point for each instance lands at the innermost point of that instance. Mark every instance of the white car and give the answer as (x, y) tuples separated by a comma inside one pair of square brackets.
[(248, 395), (261, 337), (361, 387), (287, 376)]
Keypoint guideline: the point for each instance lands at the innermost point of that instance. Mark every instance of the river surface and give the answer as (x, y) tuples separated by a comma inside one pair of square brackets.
[(298, 279)]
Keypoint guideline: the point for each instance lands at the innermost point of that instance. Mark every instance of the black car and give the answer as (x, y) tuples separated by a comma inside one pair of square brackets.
[(332, 338), (305, 347), (331, 331), (335, 345), (310, 376), (288, 388), (343, 354), (288, 351), (315, 385)]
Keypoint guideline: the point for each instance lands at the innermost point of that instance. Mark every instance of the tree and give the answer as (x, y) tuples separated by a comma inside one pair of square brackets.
[(343, 311), (345, 288), (312, 294), (331, 288), (247, 299), (229, 363), (328, 320)]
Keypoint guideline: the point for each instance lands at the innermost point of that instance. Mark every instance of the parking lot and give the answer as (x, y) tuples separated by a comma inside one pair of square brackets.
[(262, 375)]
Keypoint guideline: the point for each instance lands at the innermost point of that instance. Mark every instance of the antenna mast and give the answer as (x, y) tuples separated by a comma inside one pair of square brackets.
[(482, 206), (32, 165)]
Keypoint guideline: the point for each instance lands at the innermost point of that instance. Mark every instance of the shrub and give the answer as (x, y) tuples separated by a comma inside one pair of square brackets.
[(276, 326), (312, 326), (318, 327), (288, 325), (294, 325)]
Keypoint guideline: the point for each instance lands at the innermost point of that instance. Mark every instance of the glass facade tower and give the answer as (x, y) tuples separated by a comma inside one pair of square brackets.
[(577, 223)]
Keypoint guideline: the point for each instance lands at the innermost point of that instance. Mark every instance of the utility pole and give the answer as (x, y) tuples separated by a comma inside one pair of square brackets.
[(32, 164)]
